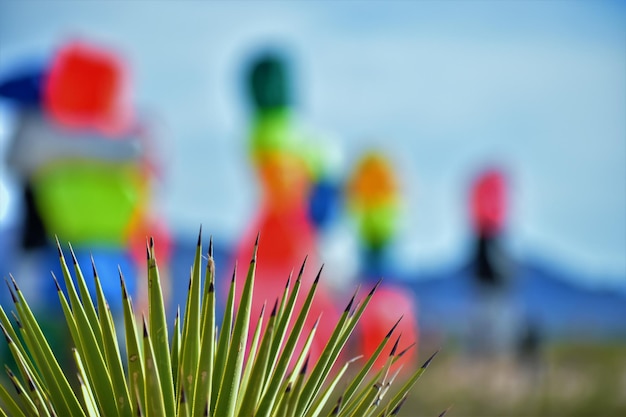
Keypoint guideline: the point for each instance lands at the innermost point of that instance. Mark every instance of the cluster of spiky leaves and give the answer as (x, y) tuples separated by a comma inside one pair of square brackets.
[(199, 371)]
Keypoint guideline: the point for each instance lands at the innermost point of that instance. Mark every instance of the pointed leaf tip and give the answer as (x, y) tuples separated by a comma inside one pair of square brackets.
[(11, 291), (302, 266), (6, 335), (122, 283), (17, 320), (58, 244), (56, 281), (425, 365), (275, 308), (93, 266), (200, 236), (444, 412), (395, 345), (210, 251), (349, 306), (319, 274), (397, 408), (337, 408), (375, 287), (74, 260), (145, 326), (394, 327), (17, 289), (305, 365), (411, 346)]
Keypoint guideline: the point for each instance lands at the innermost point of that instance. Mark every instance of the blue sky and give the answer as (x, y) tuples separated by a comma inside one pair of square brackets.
[(445, 87)]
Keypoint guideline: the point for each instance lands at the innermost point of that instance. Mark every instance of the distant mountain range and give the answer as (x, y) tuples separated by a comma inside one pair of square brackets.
[(539, 293)]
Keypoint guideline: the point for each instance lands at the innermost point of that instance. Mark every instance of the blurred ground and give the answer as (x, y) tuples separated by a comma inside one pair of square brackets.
[(572, 380)]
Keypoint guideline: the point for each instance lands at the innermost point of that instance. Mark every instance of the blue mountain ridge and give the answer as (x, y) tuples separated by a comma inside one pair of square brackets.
[(542, 293)]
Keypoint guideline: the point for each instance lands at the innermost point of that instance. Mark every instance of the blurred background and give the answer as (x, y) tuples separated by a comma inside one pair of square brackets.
[(472, 153)]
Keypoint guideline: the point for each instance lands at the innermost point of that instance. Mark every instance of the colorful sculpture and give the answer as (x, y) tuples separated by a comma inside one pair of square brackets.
[(373, 194), (495, 320), (284, 171), (488, 206), (85, 162)]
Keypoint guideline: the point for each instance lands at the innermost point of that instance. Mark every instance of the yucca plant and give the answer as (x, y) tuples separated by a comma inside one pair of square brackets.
[(194, 368)]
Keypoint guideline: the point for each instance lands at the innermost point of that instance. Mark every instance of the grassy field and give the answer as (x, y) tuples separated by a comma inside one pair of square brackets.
[(567, 380)]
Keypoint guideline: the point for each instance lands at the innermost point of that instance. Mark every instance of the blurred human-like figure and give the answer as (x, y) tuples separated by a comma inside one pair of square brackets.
[(86, 164), (285, 167), (494, 326), (373, 194)]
